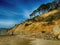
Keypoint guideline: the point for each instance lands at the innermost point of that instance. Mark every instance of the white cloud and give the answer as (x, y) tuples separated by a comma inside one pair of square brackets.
[(8, 12), (7, 23), (26, 13), (10, 23)]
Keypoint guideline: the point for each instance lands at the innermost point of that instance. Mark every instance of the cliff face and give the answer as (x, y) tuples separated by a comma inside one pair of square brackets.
[(48, 22)]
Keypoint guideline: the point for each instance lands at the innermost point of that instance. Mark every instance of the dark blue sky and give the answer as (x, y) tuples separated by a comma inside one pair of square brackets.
[(16, 11)]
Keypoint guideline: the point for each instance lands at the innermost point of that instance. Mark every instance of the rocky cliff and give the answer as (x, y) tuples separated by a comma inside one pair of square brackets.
[(46, 23)]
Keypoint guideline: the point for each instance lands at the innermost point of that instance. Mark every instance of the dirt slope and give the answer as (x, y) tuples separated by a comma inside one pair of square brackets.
[(44, 23)]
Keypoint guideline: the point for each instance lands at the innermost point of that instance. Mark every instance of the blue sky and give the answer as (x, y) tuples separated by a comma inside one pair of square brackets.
[(16, 11)]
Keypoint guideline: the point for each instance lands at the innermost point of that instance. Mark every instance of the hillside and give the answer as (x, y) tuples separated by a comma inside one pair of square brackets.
[(46, 23)]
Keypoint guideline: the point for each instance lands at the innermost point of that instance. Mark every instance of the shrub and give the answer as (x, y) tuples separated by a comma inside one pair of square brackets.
[(27, 24), (43, 31)]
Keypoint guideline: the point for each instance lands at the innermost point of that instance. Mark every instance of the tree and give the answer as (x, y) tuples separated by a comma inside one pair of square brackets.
[(33, 13), (46, 7), (38, 9), (49, 5), (56, 3), (43, 8)]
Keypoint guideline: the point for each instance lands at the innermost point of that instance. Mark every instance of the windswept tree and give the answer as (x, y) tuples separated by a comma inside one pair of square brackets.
[(43, 8), (38, 9), (33, 14), (48, 6), (56, 3)]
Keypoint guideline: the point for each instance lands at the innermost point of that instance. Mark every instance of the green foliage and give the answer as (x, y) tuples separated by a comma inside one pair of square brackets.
[(50, 18), (55, 4)]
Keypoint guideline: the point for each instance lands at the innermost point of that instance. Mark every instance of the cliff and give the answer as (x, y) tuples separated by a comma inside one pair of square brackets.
[(48, 22)]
